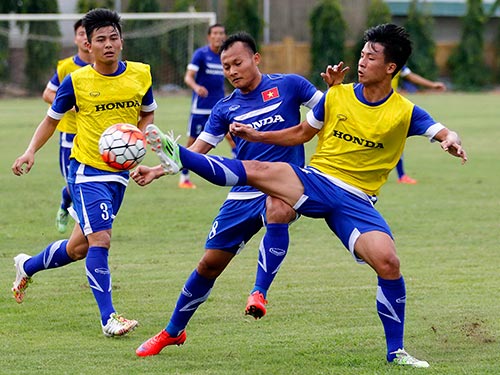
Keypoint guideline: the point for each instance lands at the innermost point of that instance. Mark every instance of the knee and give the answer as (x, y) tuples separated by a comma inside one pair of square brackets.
[(278, 211), (209, 269), (389, 267), (77, 252)]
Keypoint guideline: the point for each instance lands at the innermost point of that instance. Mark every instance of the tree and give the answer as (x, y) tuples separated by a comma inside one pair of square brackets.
[(41, 53), (467, 66), (496, 46), (243, 15), (6, 6), (327, 38), (419, 26), (144, 46), (84, 6)]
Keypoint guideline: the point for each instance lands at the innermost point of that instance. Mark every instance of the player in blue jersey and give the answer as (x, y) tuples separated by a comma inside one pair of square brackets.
[(67, 126), (97, 190), (268, 101), (406, 74), (362, 130), (205, 77)]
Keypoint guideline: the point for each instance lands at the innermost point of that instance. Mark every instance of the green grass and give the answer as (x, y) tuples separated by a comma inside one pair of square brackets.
[(321, 317)]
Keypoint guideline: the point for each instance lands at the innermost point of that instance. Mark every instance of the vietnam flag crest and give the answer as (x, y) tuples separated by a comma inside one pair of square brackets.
[(270, 94)]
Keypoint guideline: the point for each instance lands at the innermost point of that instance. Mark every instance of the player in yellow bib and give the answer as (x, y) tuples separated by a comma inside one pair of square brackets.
[(107, 92), (362, 130), (67, 125)]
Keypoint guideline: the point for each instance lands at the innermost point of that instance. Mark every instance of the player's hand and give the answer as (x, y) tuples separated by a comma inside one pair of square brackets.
[(144, 175), (244, 131), (453, 145), (440, 86), (201, 91), (334, 75), (23, 163)]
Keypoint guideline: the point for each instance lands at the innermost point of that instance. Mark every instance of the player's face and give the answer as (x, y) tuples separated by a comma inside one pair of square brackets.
[(81, 39), (372, 67), (240, 67), (216, 37), (106, 45)]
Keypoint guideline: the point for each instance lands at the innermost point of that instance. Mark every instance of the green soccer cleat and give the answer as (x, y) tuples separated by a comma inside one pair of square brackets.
[(165, 147), (404, 359), (117, 325), (62, 219)]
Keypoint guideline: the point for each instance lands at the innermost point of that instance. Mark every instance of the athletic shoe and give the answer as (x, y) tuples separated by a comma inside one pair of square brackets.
[(22, 281), (405, 179), (256, 305), (404, 359), (156, 343), (165, 147), (62, 219), (117, 325), (187, 185)]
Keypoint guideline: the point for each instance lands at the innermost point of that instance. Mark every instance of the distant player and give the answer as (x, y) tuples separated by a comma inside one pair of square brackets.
[(362, 130), (270, 101), (416, 79), (107, 92), (205, 77), (67, 125)]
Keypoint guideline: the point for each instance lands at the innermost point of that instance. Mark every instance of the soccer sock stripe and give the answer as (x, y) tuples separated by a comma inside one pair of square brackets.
[(272, 251), (53, 256), (391, 303), (215, 169), (194, 293), (99, 278)]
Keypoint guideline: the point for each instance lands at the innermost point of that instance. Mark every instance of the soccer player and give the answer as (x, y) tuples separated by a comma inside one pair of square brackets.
[(416, 79), (67, 125), (362, 129), (107, 92), (270, 101), (205, 77)]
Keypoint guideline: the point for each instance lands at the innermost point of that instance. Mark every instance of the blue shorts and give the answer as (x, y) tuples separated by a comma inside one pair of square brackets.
[(196, 125), (237, 222), (65, 144), (348, 211), (95, 203)]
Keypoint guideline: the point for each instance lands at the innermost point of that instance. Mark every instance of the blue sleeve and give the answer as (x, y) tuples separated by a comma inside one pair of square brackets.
[(420, 121), (55, 80), (148, 98), (319, 109), (306, 89), (217, 122), (65, 96), (197, 58)]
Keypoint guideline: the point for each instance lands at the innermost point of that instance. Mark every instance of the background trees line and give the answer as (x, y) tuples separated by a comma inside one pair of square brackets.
[(467, 67)]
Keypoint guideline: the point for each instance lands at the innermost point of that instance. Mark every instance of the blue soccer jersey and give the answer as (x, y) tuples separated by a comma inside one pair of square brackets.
[(273, 105), (209, 74)]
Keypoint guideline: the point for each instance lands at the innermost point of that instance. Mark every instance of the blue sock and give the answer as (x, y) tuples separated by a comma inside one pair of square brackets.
[(99, 278), (400, 168), (272, 252), (215, 169), (65, 198), (391, 302), (53, 256), (194, 293)]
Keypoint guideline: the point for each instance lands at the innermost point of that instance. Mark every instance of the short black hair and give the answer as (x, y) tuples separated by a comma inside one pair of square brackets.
[(99, 18), (242, 37), (396, 42), (77, 24), (214, 26)]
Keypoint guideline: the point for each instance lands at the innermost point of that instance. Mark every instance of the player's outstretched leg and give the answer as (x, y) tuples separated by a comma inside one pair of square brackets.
[(165, 147)]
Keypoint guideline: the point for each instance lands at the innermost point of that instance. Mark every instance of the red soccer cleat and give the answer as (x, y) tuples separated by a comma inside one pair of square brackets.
[(256, 305), (405, 179), (156, 343)]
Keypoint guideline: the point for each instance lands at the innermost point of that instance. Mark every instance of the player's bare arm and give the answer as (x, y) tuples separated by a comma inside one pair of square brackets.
[(451, 143), (334, 75), (43, 132), (190, 80), (293, 136), (146, 118)]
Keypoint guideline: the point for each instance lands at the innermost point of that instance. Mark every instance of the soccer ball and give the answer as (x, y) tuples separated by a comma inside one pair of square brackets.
[(122, 146)]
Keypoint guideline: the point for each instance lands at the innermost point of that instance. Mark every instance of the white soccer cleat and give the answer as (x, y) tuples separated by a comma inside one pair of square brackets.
[(117, 325), (165, 147), (404, 359), (22, 281)]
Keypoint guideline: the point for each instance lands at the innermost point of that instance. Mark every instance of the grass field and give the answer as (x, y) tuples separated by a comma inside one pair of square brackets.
[(321, 316)]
